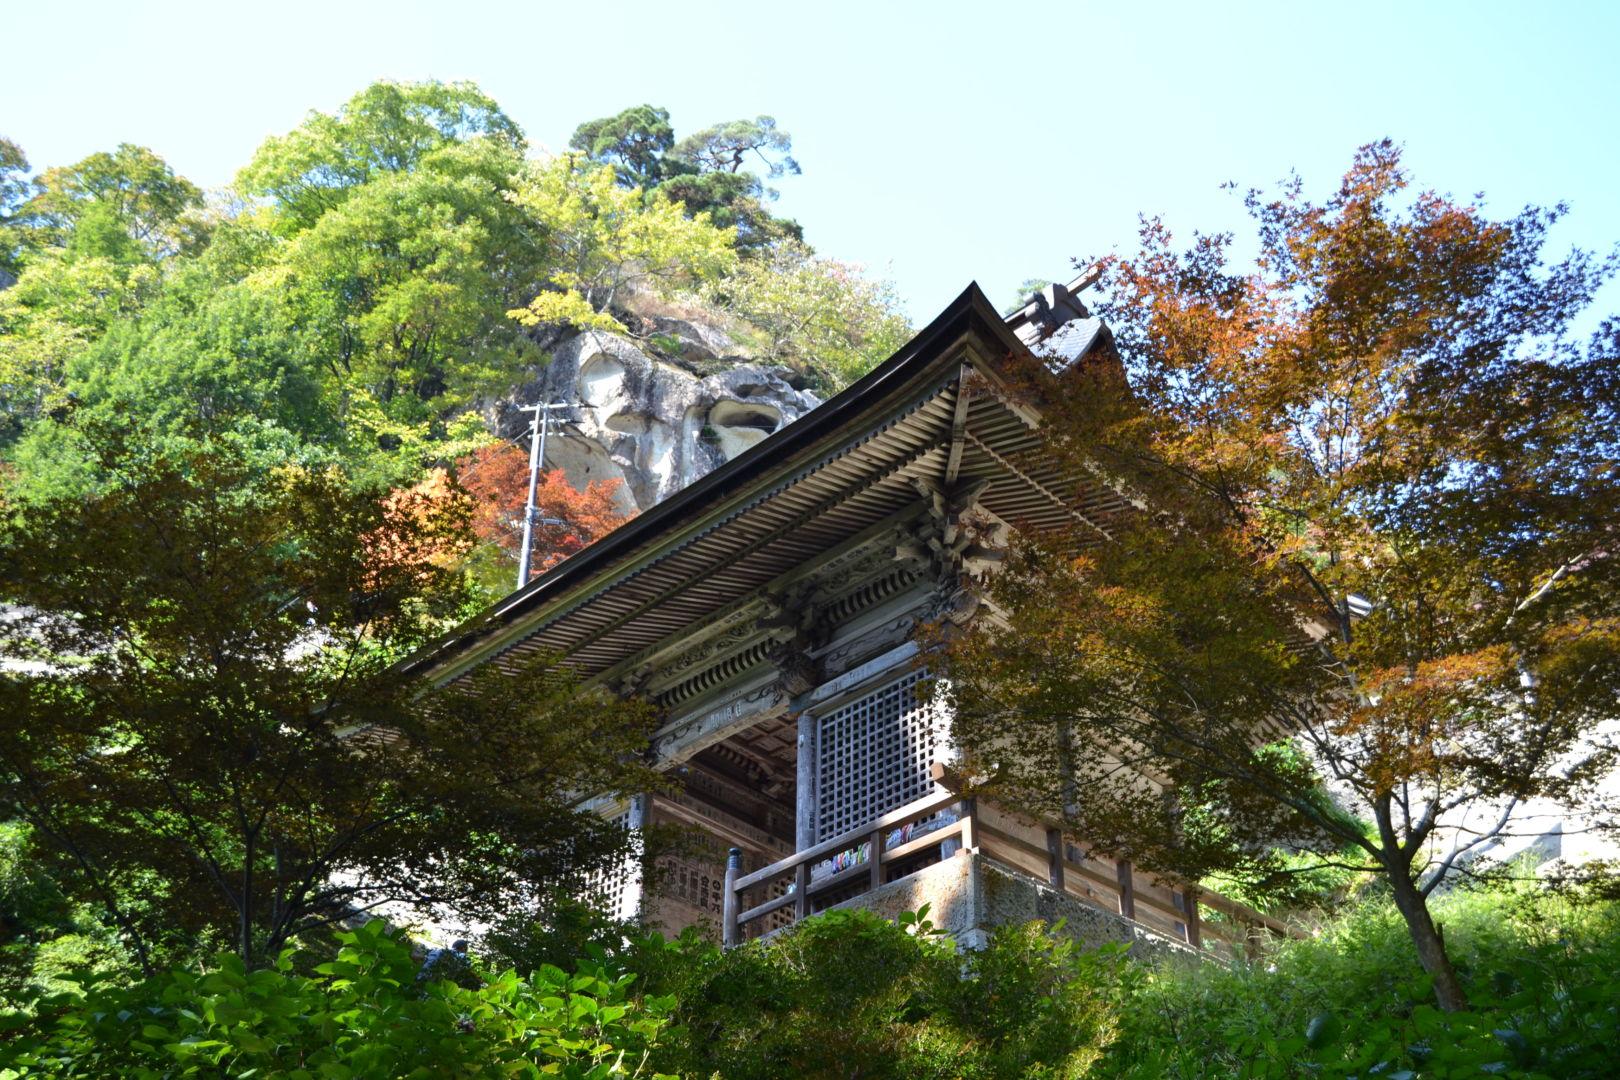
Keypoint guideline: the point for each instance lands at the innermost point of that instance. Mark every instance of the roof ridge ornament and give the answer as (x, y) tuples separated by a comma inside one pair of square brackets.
[(1056, 325)]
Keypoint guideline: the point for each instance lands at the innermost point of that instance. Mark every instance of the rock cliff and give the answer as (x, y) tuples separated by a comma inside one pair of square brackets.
[(656, 418)]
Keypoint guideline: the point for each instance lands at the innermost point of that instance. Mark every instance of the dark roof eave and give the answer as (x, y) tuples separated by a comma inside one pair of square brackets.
[(969, 308)]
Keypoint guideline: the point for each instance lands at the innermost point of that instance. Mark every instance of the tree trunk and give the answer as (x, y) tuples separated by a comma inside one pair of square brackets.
[(1431, 947), (244, 925)]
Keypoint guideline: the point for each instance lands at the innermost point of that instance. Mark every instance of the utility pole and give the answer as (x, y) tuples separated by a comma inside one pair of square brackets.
[(531, 512)]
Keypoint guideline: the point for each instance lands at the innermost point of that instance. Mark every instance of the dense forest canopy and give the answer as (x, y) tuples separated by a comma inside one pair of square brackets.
[(246, 464), (375, 274)]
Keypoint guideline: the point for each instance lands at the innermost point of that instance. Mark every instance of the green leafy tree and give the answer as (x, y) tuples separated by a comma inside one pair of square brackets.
[(92, 233), (366, 1014), (219, 339), (1351, 1000), (405, 285), (15, 189), (726, 148), (1372, 512), (388, 127), (199, 689), (45, 938), (705, 172), (606, 238), (817, 314), (405, 249), (131, 188), (60, 305), (849, 993), (633, 142), (362, 307)]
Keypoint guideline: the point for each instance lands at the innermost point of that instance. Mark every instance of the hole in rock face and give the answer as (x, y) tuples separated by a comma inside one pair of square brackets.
[(739, 425), (628, 423), (600, 380)]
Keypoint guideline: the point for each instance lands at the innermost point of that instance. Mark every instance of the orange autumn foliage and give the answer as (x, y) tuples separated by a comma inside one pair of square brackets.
[(496, 479), (425, 528), (1367, 576)]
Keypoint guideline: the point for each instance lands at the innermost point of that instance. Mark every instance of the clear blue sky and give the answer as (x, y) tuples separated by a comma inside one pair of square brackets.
[(941, 142)]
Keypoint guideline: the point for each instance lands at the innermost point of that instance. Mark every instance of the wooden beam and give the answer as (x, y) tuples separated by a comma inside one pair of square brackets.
[(909, 812), (1054, 859), (968, 811), (766, 908), (1036, 486), (953, 460), (926, 840), (801, 892)]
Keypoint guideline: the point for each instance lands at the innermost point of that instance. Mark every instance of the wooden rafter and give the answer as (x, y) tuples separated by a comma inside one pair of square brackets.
[(1036, 486)]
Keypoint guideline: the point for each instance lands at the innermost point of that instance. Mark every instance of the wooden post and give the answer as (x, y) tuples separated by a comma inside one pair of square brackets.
[(1127, 889), (1189, 904), (874, 859), (804, 827), (969, 809), (730, 932), (639, 818), (1054, 858), (801, 892)]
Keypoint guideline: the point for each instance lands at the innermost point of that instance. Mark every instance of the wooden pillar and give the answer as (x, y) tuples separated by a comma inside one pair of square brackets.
[(874, 853), (1189, 907), (640, 807), (730, 932), (801, 892), (1127, 888), (804, 829), (639, 817), (969, 809), (1054, 858)]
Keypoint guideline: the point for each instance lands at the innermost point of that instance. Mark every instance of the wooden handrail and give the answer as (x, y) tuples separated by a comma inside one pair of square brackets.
[(926, 805), (853, 873), (1175, 901), (949, 779)]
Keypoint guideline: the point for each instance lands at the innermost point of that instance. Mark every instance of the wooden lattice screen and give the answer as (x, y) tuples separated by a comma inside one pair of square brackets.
[(616, 892), (873, 755)]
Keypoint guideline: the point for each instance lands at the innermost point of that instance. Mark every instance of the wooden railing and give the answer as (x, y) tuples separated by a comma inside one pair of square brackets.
[(1111, 885), (868, 873)]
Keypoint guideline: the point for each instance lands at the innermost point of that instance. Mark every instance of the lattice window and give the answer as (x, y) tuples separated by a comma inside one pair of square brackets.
[(616, 892), (873, 755)]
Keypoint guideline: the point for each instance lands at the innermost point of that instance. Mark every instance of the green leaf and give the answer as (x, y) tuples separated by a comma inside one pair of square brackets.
[(1322, 1030)]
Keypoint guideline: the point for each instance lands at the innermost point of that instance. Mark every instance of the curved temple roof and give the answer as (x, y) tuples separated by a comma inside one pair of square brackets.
[(853, 463)]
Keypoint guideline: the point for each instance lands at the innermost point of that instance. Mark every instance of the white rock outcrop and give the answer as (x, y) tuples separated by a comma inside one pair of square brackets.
[(644, 420)]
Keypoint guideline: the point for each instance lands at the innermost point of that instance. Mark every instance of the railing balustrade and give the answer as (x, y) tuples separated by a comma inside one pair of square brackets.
[(1112, 886)]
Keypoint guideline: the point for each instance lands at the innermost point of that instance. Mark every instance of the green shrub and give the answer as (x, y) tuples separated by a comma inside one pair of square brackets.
[(851, 994), (361, 1015), (1543, 976)]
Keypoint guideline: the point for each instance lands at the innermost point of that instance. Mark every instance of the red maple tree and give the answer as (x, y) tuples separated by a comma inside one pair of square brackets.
[(497, 478)]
